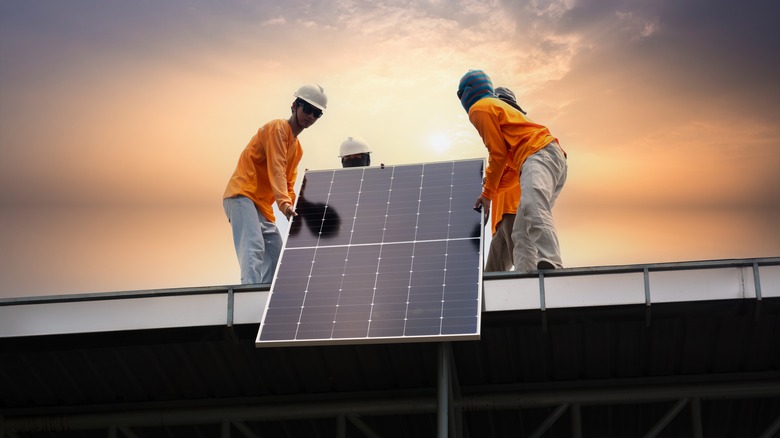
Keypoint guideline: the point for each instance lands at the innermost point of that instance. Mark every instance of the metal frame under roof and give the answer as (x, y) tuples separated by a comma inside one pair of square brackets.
[(672, 349)]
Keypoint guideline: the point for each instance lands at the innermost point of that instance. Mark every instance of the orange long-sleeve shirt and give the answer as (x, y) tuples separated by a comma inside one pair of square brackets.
[(504, 202), (509, 137), (267, 168)]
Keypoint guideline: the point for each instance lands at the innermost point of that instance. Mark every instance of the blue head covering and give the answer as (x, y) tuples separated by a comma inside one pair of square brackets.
[(474, 86)]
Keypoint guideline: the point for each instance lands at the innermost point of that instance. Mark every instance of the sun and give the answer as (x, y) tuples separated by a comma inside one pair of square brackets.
[(440, 142)]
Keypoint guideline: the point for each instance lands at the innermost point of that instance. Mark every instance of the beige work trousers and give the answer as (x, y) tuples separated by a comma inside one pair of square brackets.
[(541, 179)]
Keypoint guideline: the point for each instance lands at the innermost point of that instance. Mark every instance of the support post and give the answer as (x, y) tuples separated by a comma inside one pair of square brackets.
[(698, 432), (576, 421), (443, 392), (230, 305)]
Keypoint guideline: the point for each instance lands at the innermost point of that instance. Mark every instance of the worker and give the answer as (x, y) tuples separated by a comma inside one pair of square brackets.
[(504, 209), (265, 174), (518, 148), (354, 152)]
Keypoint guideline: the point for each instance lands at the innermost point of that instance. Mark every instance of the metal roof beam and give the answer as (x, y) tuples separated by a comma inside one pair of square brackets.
[(243, 428), (623, 395), (362, 426), (245, 410), (772, 429), (667, 418), (549, 421)]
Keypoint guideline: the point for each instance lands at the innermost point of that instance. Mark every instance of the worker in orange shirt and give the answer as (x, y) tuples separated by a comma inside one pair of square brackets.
[(518, 148), (265, 174), (503, 207)]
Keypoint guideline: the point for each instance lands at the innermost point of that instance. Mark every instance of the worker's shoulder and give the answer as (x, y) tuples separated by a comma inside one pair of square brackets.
[(491, 105), (276, 128), (486, 102), (276, 124)]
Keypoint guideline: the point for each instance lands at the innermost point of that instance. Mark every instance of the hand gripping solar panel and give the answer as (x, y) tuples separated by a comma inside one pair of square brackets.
[(377, 255)]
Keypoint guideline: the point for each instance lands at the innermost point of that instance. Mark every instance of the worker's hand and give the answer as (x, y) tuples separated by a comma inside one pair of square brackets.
[(483, 205), (289, 212)]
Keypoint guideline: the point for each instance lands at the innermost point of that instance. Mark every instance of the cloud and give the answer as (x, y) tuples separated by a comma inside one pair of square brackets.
[(274, 21), (663, 106), (601, 74)]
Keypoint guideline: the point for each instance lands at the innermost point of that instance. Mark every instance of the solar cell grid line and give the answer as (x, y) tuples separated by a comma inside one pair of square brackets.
[(377, 255), (373, 205), (320, 306), (428, 274), (358, 276), (285, 321), (413, 314)]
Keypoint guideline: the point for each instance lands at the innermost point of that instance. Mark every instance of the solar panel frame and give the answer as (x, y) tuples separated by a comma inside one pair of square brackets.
[(411, 247)]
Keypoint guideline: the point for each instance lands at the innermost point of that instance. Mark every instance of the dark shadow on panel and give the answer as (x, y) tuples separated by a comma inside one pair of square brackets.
[(476, 233), (319, 219)]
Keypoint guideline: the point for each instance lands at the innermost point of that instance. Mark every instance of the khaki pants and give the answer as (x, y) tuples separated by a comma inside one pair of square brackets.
[(541, 179), (501, 246)]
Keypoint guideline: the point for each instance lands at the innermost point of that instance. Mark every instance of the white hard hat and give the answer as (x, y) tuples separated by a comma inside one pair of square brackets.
[(313, 94), (354, 145)]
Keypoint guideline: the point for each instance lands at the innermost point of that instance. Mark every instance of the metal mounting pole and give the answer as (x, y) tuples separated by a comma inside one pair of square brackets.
[(443, 392), (696, 425)]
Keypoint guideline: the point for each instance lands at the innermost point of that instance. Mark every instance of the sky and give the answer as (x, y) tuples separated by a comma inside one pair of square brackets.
[(121, 122)]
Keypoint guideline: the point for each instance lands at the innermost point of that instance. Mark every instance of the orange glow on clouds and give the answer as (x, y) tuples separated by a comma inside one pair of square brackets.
[(120, 123)]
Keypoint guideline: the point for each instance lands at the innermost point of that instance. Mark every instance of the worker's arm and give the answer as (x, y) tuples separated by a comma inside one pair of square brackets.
[(276, 158), (489, 129)]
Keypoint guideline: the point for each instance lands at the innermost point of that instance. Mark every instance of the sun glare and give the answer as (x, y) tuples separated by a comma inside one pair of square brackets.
[(440, 142)]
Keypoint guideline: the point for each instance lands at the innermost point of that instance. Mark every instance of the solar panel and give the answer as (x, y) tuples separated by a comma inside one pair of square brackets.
[(389, 254)]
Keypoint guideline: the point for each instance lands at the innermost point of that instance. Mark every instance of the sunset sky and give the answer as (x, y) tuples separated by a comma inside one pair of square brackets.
[(121, 121)]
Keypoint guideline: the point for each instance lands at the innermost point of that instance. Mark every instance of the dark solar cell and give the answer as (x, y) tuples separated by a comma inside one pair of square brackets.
[(380, 255)]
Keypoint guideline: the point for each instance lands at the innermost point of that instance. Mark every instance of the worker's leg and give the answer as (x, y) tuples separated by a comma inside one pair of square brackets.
[(273, 248), (504, 228), (501, 247), (247, 237), (497, 249), (541, 180), (524, 254)]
